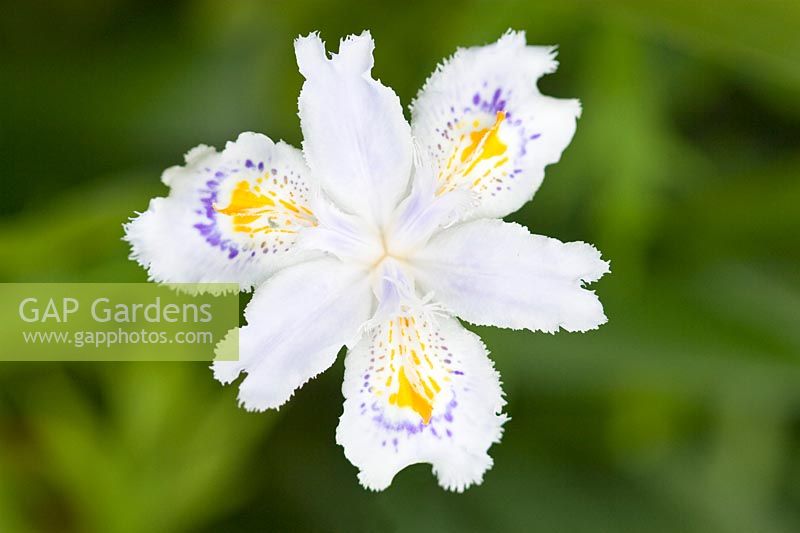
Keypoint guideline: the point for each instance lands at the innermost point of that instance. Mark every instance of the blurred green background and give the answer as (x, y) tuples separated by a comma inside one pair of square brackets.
[(681, 414)]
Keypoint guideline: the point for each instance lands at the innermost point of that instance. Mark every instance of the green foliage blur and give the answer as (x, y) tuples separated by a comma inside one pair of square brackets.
[(681, 414)]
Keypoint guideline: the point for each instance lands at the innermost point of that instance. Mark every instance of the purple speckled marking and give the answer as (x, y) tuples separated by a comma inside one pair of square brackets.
[(496, 103), (209, 229), (496, 97), (410, 428)]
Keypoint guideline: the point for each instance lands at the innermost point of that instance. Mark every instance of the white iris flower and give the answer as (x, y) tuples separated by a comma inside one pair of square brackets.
[(377, 236)]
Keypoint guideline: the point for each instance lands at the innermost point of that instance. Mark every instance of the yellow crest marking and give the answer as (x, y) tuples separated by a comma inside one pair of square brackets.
[(254, 212), (474, 148), (411, 384)]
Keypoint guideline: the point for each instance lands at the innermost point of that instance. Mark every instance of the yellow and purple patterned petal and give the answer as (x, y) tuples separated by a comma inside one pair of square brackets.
[(232, 216), (483, 122), (420, 389)]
